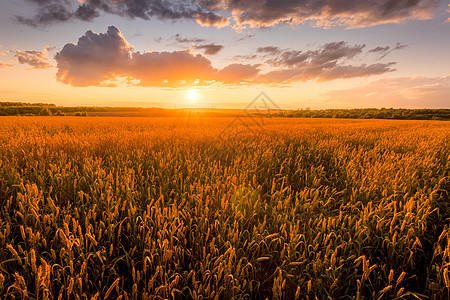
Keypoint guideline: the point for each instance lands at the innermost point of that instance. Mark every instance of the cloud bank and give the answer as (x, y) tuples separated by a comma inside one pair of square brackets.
[(244, 13), (98, 59)]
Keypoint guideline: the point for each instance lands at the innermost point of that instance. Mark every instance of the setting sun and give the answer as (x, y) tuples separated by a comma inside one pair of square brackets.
[(193, 95)]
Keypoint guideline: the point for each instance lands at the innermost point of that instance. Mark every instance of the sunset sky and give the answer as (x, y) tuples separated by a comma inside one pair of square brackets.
[(211, 53)]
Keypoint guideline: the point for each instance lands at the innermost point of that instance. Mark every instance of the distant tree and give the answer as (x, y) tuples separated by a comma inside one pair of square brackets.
[(59, 113), (45, 112)]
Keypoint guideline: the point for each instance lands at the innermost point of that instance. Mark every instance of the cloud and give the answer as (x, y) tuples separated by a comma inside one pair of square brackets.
[(36, 59), (98, 59), (328, 13), (5, 65), (210, 19), (179, 68), (210, 49), (4, 52), (328, 62), (48, 13), (413, 92), (244, 38), (245, 13), (353, 71), (245, 56), (95, 59), (384, 51), (326, 56), (238, 73), (54, 11), (269, 50), (184, 40)]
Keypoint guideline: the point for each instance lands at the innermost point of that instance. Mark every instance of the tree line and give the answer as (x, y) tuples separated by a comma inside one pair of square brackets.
[(370, 113), (44, 109)]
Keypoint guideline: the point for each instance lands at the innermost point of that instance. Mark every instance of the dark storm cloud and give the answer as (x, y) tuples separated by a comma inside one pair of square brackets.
[(252, 13), (326, 13), (48, 14), (86, 12), (63, 10), (98, 59)]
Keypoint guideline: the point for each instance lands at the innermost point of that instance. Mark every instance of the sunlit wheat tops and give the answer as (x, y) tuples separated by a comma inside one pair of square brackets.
[(162, 208)]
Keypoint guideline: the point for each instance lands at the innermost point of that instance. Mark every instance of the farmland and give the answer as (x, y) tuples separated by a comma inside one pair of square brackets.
[(156, 208)]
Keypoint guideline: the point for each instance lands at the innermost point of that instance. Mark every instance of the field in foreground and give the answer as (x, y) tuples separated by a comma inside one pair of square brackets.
[(204, 208)]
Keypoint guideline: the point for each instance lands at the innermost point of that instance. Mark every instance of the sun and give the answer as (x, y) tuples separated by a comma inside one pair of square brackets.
[(192, 95)]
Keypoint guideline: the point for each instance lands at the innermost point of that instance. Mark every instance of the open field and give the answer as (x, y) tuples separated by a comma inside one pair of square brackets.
[(195, 208)]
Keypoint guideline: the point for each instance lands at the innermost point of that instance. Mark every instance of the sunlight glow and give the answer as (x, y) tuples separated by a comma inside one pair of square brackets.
[(193, 96)]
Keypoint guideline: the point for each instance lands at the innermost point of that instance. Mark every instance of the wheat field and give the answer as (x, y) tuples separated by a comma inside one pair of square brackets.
[(209, 208)]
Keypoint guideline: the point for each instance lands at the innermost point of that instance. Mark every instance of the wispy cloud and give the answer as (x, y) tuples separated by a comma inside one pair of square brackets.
[(385, 51), (208, 47), (54, 11)]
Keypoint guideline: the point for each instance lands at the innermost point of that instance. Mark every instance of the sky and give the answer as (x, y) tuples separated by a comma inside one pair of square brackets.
[(222, 54)]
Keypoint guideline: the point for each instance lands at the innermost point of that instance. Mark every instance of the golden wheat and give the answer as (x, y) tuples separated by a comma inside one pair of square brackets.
[(158, 208)]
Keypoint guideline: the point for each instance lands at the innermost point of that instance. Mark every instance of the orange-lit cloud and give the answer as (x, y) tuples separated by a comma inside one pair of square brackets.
[(412, 92), (239, 73), (36, 59), (211, 19), (4, 52), (173, 69), (101, 58), (252, 13), (5, 65)]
